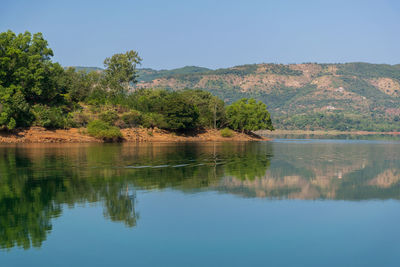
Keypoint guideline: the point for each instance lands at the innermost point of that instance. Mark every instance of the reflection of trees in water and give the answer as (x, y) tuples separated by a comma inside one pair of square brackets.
[(249, 161), (26, 205), (120, 204), (37, 183), (193, 167), (34, 188)]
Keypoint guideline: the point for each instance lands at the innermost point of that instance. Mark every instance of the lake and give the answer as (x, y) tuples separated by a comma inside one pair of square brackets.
[(286, 202)]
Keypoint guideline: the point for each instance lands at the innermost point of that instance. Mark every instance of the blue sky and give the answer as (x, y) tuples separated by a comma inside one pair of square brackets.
[(214, 34)]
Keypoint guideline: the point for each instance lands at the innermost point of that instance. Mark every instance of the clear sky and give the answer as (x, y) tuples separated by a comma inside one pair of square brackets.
[(173, 33)]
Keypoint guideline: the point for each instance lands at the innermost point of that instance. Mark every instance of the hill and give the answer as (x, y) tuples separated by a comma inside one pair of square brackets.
[(350, 96), (87, 69), (147, 75)]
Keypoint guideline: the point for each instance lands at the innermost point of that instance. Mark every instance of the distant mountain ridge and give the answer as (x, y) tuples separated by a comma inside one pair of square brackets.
[(147, 74), (87, 69), (349, 96)]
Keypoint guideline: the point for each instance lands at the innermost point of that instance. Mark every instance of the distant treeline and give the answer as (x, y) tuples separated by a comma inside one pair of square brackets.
[(36, 91)]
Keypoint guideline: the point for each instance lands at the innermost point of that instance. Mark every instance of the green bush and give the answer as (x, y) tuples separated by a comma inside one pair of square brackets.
[(109, 116), (49, 117), (11, 124), (226, 132), (97, 97), (103, 130), (132, 118), (151, 120), (120, 124), (77, 119)]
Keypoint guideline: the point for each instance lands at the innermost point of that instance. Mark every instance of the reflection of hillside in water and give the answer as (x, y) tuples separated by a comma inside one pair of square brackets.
[(38, 181), (333, 171)]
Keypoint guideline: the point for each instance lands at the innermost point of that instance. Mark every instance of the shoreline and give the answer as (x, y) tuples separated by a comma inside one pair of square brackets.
[(39, 135), (130, 135), (323, 133)]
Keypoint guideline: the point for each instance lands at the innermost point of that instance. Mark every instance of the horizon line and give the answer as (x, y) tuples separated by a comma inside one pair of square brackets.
[(263, 63)]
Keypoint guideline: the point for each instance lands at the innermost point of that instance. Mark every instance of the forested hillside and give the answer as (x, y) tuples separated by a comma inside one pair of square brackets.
[(351, 96)]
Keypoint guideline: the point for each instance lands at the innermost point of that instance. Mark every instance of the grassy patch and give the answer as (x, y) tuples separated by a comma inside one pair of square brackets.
[(103, 130), (226, 132)]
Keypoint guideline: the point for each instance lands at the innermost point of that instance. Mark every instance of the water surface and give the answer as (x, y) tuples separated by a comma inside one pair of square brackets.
[(280, 203)]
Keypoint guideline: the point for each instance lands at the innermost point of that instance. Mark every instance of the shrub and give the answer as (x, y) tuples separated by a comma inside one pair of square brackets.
[(103, 130), (120, 124), (151, 120), (77, 119), (109, 116), (97, 97), (132, 118), (49, 117), (11, 124), (226, 132)]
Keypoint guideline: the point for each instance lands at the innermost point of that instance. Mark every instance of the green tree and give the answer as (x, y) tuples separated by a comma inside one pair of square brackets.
[(148, 100), (27, 77), (179, 113), (211, 108), (78, 85), (249, 115), (151, 120), (121, 71)]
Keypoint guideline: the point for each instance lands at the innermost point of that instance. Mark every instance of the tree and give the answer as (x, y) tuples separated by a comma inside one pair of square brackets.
[(27, 77), (78, 85), (148, 100), (249, 115), (211, 108), (179, 113), (121, 71)]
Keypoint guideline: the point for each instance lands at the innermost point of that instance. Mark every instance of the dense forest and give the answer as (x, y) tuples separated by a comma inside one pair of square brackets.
[(34, 91)]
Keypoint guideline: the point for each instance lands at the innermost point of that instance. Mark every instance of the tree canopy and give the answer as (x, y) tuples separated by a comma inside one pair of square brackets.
[(27, 77), (211, 109), (249, 115), (180, 114), (121, 70)]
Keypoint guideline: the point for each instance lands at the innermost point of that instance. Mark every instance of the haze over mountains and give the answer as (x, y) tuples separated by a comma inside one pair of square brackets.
[(310, 96)]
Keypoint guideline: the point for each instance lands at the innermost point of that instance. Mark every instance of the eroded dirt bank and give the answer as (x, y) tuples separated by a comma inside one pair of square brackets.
[(41, 135)]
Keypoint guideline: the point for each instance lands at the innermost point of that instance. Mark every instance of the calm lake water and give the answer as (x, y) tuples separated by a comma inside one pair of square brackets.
[(279, 203)]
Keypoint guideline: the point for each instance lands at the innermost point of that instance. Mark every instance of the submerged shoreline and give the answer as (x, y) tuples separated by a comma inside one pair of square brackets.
[(75, 135)]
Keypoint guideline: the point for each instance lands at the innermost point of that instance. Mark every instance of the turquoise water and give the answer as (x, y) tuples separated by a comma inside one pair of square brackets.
[(280, 203)]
